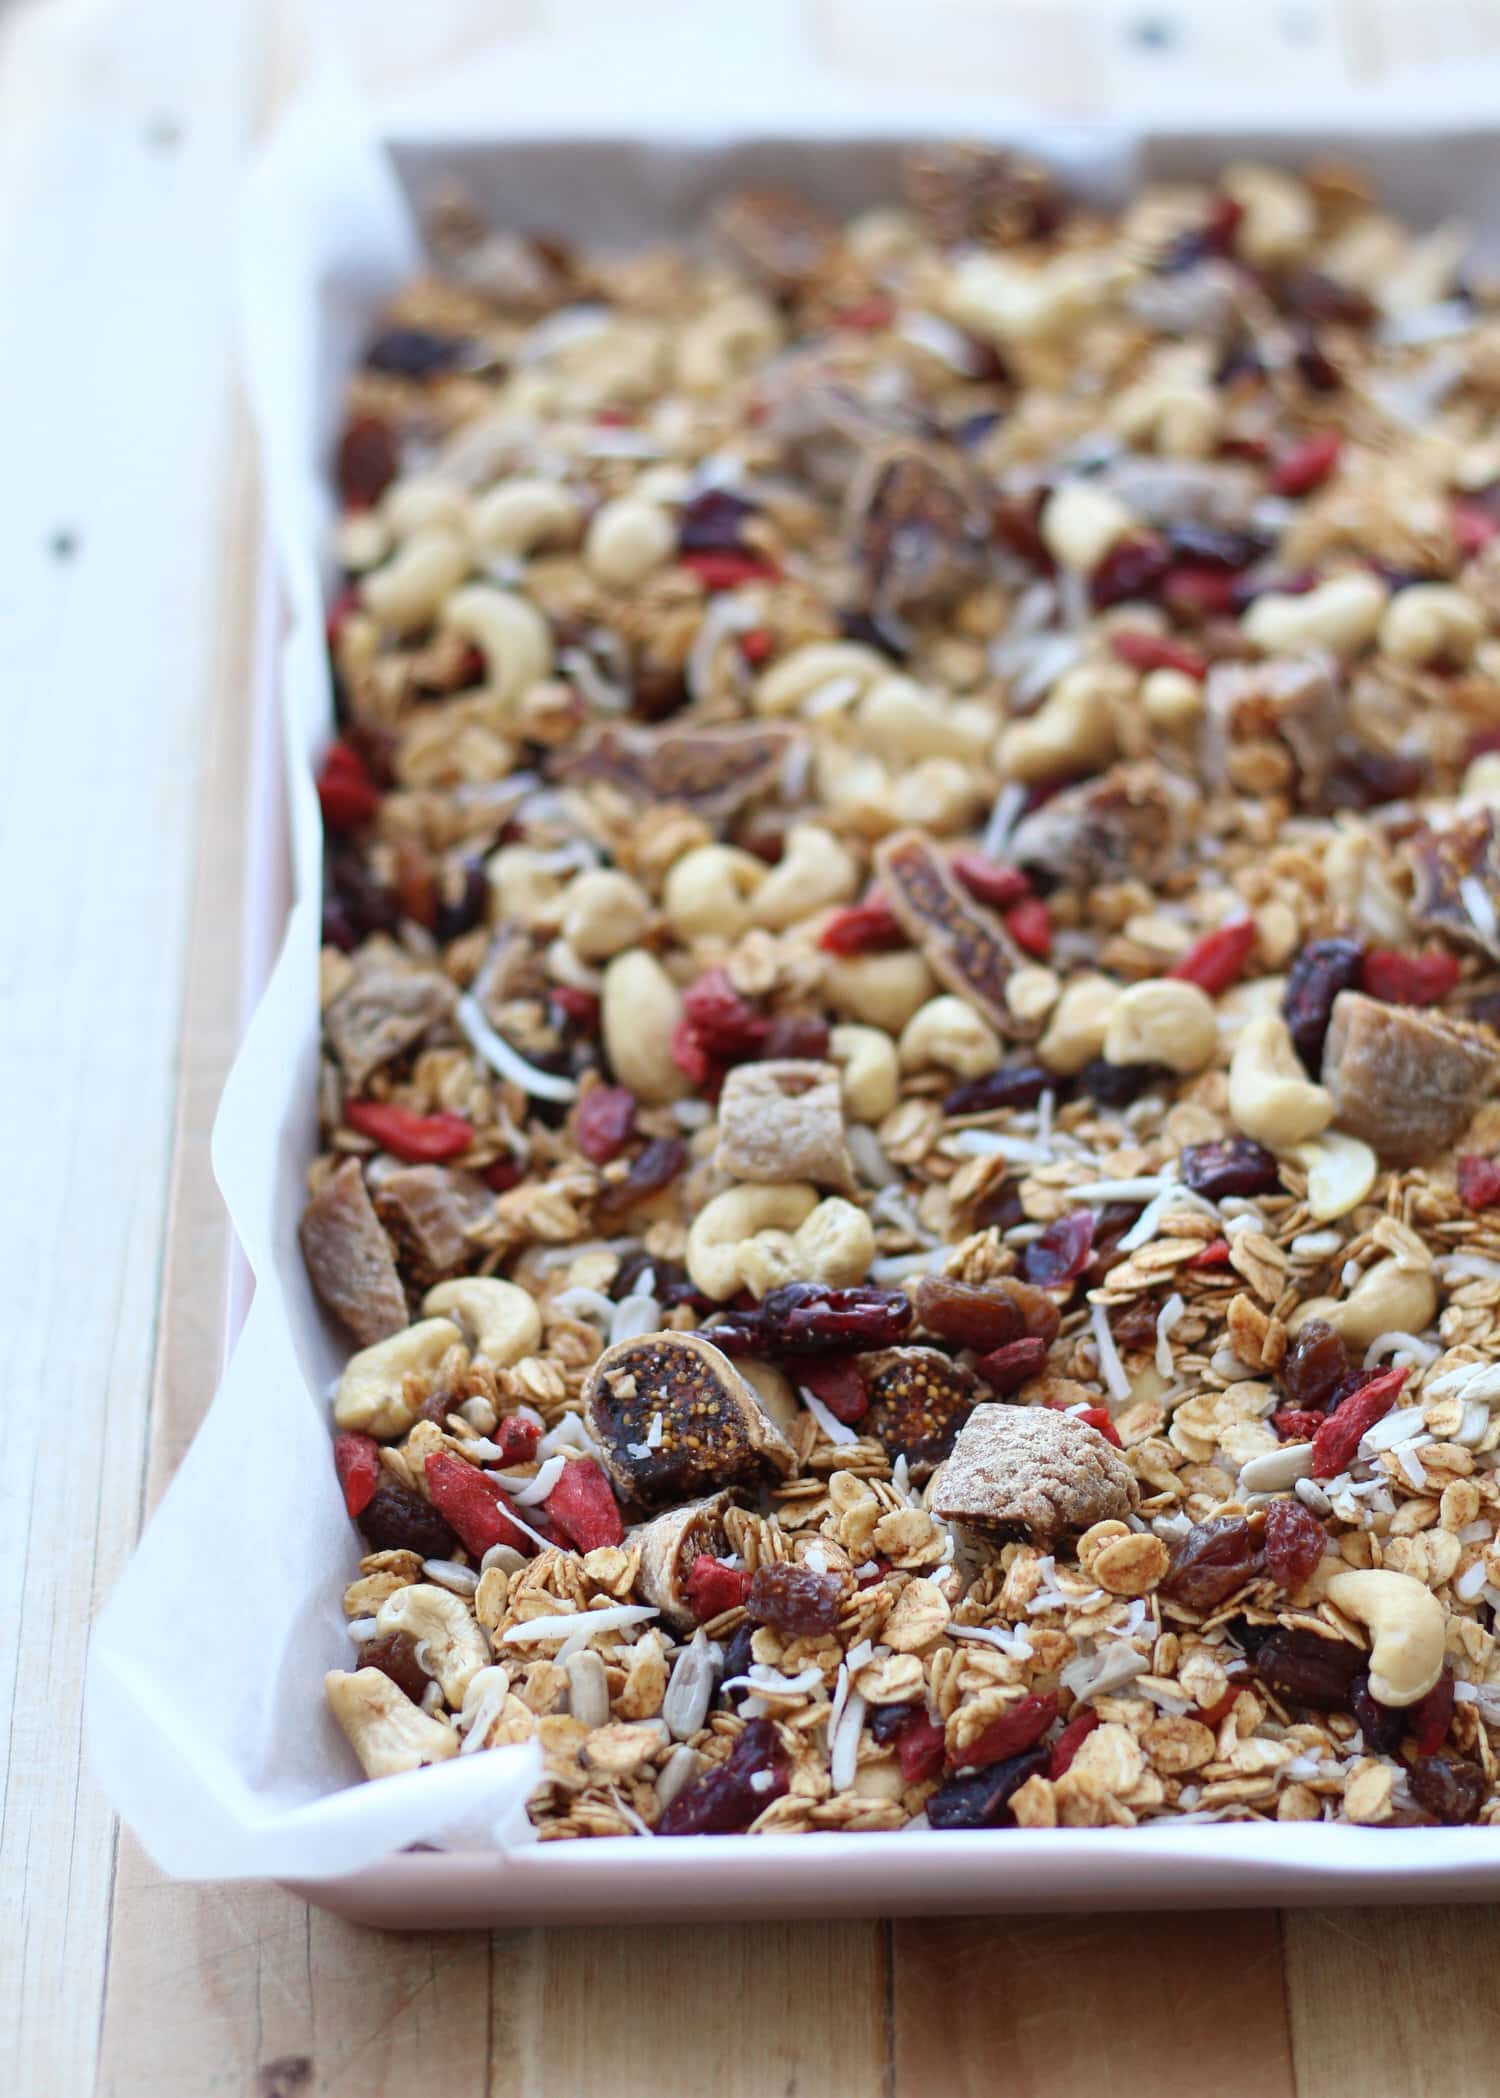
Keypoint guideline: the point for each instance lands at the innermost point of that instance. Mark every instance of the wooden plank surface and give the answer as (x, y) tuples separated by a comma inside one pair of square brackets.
[(125, 620)]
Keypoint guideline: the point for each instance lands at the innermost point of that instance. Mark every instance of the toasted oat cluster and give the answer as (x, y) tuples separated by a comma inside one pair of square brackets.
[(910, 989)]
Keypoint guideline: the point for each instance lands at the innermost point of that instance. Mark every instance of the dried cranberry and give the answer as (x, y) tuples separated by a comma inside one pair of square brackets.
[(1215, 961), (999, 1208), (1362, 778), (1193, 592), (1450, 1788), (1431, 1716), (724, 1024), (460, 913), (579, 1009), (1134, 1325), (1296, 1423), (712, 1587), (1307, 465), (794, 1601), (1314, 1366), (1304, 1666), (604, 1122), (1013, 1085), (727, 1798), (1061, 1254), (810, 1318), (801, 1036), (1147, 651), (1132, 568), (983, 1800), (368, 461), (988, 881), (346, 793), (397, 1520), (838, 1385), (356, 1459), (1214, 1255), (1070, 1740), (1117, 1085), (727, 571), (1237, 1166), (1214, 546), (654, 1167), (713, 521), (1383, 1728), (871, 927), (1213, 1560), (1339, 1436), (1020, 1727), (583, 1507), (1111, 1224), (1007, 1368), (738, 1656), (1314, 980), (413, 353), (969, 1316), (396, 1656), (691, 1058), (887, 1721), (1408, 979), (1295, 1542)]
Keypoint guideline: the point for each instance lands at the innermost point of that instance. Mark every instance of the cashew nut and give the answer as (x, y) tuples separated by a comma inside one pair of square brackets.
[(884, 990), (1271, 1097), (902, 722), (1171, 700), (709, 891), (640, 1006), (385, 1729), (816, 668), (949, 1033), (501, 1318), (1080, 522), (509, 632), (1080, 1020), (453, 1648), (1388, 1298), (1341, 614), (725, 343), (361, 541), (835, 1244), (1164, 1021), (1340, 1173), (869, 1074), (626, 540), (1407, 1629), (371, 1396), (1428, 622), (1278, 222), (814, 871), (406, 592), (1005, 301), (725, 1228), (1072, 731), (520, 516), (603, 912), (422, 503), (525, 888)]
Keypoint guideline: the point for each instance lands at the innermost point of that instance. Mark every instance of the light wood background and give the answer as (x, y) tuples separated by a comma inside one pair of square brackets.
[(128, 541)]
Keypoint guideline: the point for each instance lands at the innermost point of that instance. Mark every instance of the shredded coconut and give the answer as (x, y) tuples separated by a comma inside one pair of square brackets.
[(1111, 1369), (499, 1055)]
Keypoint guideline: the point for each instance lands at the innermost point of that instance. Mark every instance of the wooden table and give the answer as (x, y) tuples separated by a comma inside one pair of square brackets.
[(126, 598)]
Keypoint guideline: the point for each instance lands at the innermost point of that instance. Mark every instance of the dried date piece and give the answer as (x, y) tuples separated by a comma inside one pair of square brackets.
[(966, 946), (385, 1009), (1027, 1472), (349, 1257), (1126, 825), (1407, 1082), (712, 771), (673, 1418), (1456, 881), (919, 1399)]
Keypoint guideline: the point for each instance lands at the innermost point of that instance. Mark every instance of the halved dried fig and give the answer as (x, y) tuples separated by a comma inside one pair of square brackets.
[(669, 1545), (674, 1417), (1127, 825), (919, 1399), (964, 945)]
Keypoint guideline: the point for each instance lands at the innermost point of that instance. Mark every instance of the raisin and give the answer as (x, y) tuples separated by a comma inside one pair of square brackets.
[(1295, 1542), (1061, 1254), (1361, 778), (1431, 1716), (397, 1520), (1314, 980), (887, 1721), (794, 1601), (999, 1208), (460, 913), (1238, 1166), (364, 903), (367, 462), (1306, 1667), (983, 1800), (969, 1316), (396, 1656), (802, 1036), (738, 1655), (413, 353), (1134, 1325), (1006, 1369), (1213, 1560), (727, 1798), (1315, 367), (1316, 1363), (1117, 1085), (1013, 1085), (604, 1122), (1383, 1728), (713, 522), (1133, 568), (1450, 1788), (654, 1167)]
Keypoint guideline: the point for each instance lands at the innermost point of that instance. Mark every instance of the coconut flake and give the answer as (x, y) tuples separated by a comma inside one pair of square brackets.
[(993, 1143), (459, 1580), (1477, 903), (895, 1267), (570, 1433), (568, 1624), (870, 1161), (727, 615), (604, 694), (584, 1304), (1094, 1675), (1142, 1189), (1010, 807), (501, 1057), (362, 1628), (893, 1206), (1166, 1319), (1469, 1585), (1397, 1343), (833, 1429), (765, 1681), (1110, 1366), (536, 1489), (1315, 1245), (928, 331), (844, 1746), (633, 1316), (1014, 1642), (1411, 1467)]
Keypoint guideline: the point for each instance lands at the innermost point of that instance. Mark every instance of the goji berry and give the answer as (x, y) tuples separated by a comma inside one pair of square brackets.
[(1194, 591), (712, 1587), (583, 1506), (1307, 465), (727, 571), (1338, 1436), (689, 1054), (1408, 979), (1022, 1726), (1147, 651), (1210, 1715), (581, 1006), (870, 927), (604, 1121), (1214, 962), (419, 1139), (516, 1438), (1473, 528), (1297, 1423), (1099, 1417), (1214, 1255), (356, 1459), (869, 315), (470, 1504), (346, 792), (757, 645), (919, 1748), (1007, 1368), (1478, 1181), (1431, 1716), (1030, 926), (1070, 1740), (988, 881), (840, 1386), (503, 1175)]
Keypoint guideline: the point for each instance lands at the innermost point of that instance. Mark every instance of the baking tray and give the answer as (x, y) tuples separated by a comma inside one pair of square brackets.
[(611, 189)]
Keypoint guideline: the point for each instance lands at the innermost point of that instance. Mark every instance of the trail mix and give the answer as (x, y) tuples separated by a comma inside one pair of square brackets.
[(910, 994)]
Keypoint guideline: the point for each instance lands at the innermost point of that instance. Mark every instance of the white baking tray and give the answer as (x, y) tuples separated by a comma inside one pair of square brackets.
[(206, 1802)]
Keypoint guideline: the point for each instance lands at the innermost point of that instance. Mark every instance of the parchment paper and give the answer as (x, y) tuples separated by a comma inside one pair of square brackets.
[(205, 1716)]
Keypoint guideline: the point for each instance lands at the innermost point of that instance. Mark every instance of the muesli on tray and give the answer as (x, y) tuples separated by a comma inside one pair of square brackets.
[(910, 993)]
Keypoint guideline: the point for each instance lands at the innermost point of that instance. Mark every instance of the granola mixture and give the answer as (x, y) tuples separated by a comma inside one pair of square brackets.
[(910, 993)]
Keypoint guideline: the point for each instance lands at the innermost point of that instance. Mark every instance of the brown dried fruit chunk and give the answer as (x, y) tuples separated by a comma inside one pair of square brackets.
[(669, 1545), (780, 237), (1441, 860), (1405, 1081), (1126, 825), (1298, 698), (714, 1431), (784, 1120), (429, 1213), (387, 1008), (919, 1399), (979, 193), (965, 945), (713, 771), (918, 525), (349, 1257), (1027, 1472)]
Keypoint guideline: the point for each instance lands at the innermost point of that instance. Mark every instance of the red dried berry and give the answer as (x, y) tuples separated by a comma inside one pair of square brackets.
[(724, 1024), (1383, 1728), (1147, 651), (470, 1503), (1193, 590), (1070, 1740), (419, 1139), (1061, 1254), (1450, 1788), (1338, 1437), (757, 645), (1315, 1365), (1030, 926), (1296, 1423), (1215, 962), (969, 1315), (1131, 568), (1019, 1728), (813, 1318), (840, 1386), (1006, 1369), (869, 316), (583, 1507), (604, 1122), (1473, 528), (1408, 979), (987, 881), (367, 461), (503, 1175), (794, 1600), (1307, 465), (712, 1587), (1214, 1255), (920, 1748), (356, 1459), (396, 1656), (800, 1036), (1213, 1560), (982, 1800), (689, 1054), (347, 794), (1295, 1542), (1478, 1181), (1013, 1085), (871, 927), (398, 1520), (728, 1797), (1431, 1716), (1099, 1417), (727, 571), (576, 1004)]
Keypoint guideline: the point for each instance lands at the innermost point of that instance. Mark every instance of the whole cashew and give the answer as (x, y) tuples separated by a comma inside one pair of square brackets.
[(1340, 1173), (709, 892), (1072, 731), (1081, 522), (1079, 1022), (406, 592), (723, 344), (817, 666), (501, 1318), (1271, 1097), (509, 632), (1162, 1022), (384, 1728), (371, 1396), (1388, 1298), (869, 1070), (626, 540), (1407, 1629), (901, 721), (520, 516), (883, 990), (947, 1033), (454, 1649), (814, 871), (1431, 621), (835, 1244), (724, 1229), (1341, 614), (603, 912), (640, 1006), (422, 503)]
